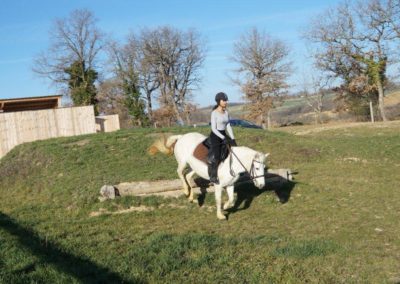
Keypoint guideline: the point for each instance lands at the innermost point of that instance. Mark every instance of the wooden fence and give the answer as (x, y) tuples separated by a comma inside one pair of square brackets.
[(27, 126)]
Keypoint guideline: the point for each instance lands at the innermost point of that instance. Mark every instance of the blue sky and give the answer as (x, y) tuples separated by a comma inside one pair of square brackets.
[(25, 25)]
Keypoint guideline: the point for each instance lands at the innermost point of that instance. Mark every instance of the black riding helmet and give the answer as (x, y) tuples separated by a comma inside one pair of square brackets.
[(221, 96)]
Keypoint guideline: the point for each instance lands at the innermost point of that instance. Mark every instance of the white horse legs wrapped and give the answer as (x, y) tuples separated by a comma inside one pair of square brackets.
[(242, 159), (189, 177), (218, 196), (229, 203)]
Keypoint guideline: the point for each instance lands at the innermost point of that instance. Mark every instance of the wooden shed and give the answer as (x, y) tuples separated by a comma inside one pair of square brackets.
[(30, 103)]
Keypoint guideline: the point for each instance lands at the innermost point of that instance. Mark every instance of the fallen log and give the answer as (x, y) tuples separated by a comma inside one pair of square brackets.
[(173, 187)]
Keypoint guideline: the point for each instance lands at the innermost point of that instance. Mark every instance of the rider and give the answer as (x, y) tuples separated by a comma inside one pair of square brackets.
[(219, 123)]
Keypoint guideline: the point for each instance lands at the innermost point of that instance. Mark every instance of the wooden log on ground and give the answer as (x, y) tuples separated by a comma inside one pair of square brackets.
[(177, 193), (147, 187), (173, 187)]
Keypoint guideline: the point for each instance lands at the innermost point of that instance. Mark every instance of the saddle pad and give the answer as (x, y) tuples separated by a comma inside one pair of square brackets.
[(201, 152)]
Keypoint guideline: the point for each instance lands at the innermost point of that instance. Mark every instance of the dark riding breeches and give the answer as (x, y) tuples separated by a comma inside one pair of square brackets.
[(214, 156)]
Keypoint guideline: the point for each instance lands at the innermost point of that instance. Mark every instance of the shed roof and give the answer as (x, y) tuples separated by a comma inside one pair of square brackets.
[(30, 103)]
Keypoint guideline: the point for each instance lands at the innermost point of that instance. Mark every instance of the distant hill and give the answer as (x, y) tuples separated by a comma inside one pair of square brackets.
[(295, 109)]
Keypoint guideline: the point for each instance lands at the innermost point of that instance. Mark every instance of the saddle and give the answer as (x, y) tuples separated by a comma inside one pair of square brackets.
[(202, 152)]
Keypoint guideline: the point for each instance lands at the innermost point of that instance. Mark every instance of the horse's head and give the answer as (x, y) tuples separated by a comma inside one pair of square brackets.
[(252, 162), (258, 169)]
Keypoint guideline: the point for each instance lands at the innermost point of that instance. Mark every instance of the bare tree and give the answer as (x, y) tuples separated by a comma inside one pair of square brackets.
[(111, 100), (75, 43), (163, 117), (314, 91), (355, 40), (262, 73), (378, 37), (188, 112), (126, 66), (149, 84), (392, 14), (136, 75), (162, 62), (148, 75), (333, 31), (175, 58)]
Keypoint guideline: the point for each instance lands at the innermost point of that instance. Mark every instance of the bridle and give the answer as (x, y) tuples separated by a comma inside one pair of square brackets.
[(251, 173)]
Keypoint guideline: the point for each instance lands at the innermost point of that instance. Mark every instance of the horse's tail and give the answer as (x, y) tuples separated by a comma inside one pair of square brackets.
[(164, 145)]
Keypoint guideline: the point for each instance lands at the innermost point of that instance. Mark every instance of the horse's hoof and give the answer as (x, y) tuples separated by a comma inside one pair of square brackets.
[(221, 216), (227, 206)]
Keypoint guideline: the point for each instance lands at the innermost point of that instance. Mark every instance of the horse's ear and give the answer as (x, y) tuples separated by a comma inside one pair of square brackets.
[(266, 155)]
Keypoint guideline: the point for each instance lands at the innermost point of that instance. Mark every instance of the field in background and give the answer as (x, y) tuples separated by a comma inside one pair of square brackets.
[(340, 222), (295, 110)]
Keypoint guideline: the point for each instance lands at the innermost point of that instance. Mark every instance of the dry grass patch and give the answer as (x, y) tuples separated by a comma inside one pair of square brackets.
[(103, 211), (313, 129)]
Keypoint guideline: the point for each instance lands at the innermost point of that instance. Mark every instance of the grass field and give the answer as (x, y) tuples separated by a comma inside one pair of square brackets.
[(340, 223)]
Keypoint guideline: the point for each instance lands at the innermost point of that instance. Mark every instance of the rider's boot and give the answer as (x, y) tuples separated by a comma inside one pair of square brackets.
[(213, 173)]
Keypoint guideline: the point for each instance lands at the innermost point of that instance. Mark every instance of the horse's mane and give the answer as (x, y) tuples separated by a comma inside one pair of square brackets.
[(257, 154)]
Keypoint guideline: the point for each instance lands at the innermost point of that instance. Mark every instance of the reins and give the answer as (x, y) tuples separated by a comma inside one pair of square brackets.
[(240, 162)]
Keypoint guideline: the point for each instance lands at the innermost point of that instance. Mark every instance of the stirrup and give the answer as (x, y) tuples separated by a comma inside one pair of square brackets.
[(214, 180)]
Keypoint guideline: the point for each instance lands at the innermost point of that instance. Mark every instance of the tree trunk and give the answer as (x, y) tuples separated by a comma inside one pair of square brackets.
[(188, 120), (178, 115), (261, 121), (380, 100), (371, 110), (149, 109), (269, 119)]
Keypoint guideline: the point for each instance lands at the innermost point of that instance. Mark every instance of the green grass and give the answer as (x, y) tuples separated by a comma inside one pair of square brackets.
[(340, 222)]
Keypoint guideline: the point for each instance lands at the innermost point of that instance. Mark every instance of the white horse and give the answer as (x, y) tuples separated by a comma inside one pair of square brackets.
[(243, 159)]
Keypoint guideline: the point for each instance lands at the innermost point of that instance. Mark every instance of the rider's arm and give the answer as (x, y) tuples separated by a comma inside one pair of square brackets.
[(229, 128), (230, 131), (214, 126)]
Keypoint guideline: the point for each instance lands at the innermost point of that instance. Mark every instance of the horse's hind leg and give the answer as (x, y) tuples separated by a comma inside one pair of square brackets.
[(189, 176), (181, 168), (229, 204)]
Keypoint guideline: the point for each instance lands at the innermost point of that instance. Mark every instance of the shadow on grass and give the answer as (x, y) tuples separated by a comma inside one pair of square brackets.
[(203, 184), (246, 191), (82, 269)]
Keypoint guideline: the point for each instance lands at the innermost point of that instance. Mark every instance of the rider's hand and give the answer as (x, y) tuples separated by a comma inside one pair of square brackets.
[(229, 141)]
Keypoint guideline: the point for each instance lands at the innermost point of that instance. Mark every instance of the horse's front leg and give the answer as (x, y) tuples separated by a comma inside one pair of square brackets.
[(218, 195), (229, 204)]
